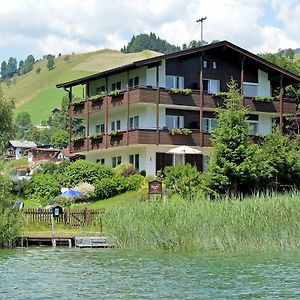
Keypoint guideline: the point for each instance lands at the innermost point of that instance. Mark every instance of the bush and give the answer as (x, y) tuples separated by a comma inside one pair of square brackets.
[(43, 187), (183, 179), (125, 169), (85, 171), (133, 182), (109, 187), (10, 219), (86, 188)]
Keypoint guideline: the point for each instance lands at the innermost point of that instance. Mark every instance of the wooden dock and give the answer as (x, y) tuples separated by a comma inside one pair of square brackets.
[(80, 242)]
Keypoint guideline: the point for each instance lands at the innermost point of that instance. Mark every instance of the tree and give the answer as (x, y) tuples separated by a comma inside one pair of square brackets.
[(3, 69), (50, 62), (230, 138), (149, 42), (11, 67), (60, 139), (23, 125), (6, 117), (28, 65)]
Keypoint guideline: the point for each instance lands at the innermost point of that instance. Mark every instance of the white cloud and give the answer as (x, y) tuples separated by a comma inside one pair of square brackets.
[(66, 26)]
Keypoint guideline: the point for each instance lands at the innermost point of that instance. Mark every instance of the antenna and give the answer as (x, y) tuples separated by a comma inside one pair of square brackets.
[(201, 20)]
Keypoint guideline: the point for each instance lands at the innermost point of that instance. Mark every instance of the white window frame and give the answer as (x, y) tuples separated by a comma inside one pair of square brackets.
[(116, 160), (134, 122), (177, 121), (134, 159), (176, 82), (251, 84), (209, 125), (210, 87)]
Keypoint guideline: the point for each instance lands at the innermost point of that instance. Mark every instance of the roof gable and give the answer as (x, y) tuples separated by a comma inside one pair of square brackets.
[(156, 60)]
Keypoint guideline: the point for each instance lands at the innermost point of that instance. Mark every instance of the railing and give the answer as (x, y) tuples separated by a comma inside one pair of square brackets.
[(70, 217), (149, 95)]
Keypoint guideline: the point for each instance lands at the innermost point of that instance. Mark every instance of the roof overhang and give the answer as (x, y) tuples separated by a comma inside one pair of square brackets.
[(290, 78)]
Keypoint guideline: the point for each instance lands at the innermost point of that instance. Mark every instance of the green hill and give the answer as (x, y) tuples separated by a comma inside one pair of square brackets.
[(37, 93)]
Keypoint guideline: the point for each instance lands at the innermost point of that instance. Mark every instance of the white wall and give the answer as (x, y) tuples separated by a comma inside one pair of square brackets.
[(264, 86), (141, 72), (151, 75), (265, 123)]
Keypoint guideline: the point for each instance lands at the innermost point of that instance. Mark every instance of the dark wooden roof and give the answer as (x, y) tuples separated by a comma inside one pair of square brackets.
[(225, 45)]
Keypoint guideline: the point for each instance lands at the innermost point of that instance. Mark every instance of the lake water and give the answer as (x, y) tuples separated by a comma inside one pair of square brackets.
[(63, 273)]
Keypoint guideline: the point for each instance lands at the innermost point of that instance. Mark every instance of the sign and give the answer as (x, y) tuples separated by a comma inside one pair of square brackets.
[(155, 187), (57, 211)]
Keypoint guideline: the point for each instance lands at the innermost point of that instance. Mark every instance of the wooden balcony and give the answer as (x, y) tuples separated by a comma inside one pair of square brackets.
[(149, 95), (141, 136)]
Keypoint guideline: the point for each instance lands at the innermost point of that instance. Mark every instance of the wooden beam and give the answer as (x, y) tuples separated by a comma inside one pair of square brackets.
[(87, 110), (70, 119), (157, 105), (281, 105), (127, 108), (201, 94), (106, 113), (242, 80)]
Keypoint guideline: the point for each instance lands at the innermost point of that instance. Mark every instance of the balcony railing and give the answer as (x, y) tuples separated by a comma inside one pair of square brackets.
[(149, 95), (140, 136)]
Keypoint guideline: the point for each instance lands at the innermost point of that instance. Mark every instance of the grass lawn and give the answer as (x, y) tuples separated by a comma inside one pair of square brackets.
[(125, 198), (63, 231)]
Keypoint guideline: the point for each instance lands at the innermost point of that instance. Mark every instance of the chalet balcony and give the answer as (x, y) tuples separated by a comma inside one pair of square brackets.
[(140, 136), (149, 95)]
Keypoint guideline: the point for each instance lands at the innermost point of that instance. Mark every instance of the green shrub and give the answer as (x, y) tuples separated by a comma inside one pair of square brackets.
[(85, 171), (42, 187), (125, 169), (109, 187), (133, 182), (182, 179)]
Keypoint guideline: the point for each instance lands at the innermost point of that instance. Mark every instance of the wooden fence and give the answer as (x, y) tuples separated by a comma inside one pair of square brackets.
[(70, 217)]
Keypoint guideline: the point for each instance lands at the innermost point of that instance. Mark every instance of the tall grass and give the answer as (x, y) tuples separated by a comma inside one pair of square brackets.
[(258, 222)]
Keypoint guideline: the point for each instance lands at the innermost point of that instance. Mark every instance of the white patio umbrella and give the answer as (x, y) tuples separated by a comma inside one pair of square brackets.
[(183, 150)]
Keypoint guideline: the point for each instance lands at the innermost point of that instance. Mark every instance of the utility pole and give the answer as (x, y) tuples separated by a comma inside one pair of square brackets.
[(201, 20)]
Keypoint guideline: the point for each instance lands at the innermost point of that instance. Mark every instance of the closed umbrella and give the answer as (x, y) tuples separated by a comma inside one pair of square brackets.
[(71, 193), (183, 150)]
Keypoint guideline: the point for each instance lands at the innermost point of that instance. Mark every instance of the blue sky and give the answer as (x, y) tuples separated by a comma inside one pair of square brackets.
[(66, 26)]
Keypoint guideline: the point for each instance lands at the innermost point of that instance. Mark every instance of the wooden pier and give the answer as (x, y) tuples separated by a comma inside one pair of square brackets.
[(80, 242)]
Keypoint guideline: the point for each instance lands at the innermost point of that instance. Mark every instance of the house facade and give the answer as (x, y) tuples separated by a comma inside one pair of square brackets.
[(138, 112), (17, 149)]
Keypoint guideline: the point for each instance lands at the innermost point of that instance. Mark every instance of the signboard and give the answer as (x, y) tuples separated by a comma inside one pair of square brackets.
[(155, 187), (57, 211)]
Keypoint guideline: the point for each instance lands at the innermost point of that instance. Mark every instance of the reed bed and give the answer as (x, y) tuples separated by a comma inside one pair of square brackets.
[(259, 222)]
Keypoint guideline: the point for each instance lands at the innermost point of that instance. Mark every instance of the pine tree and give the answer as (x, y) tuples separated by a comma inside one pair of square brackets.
[(230, 139)]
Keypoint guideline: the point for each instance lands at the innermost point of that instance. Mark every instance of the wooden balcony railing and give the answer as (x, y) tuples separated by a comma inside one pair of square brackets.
[(149, 95)]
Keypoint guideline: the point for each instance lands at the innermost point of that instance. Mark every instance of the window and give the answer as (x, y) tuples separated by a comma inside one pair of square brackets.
[(250, 89), (177, 159), (100, 90), (116, 161), (253, 127), (211, 85), (116, 125), (205, 64), (209, 124), (174, 82), (101, 161), (214, 65), (134, 159), (134, 122), (116, 86), (174, 121), (133, 82), (100, 128)]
